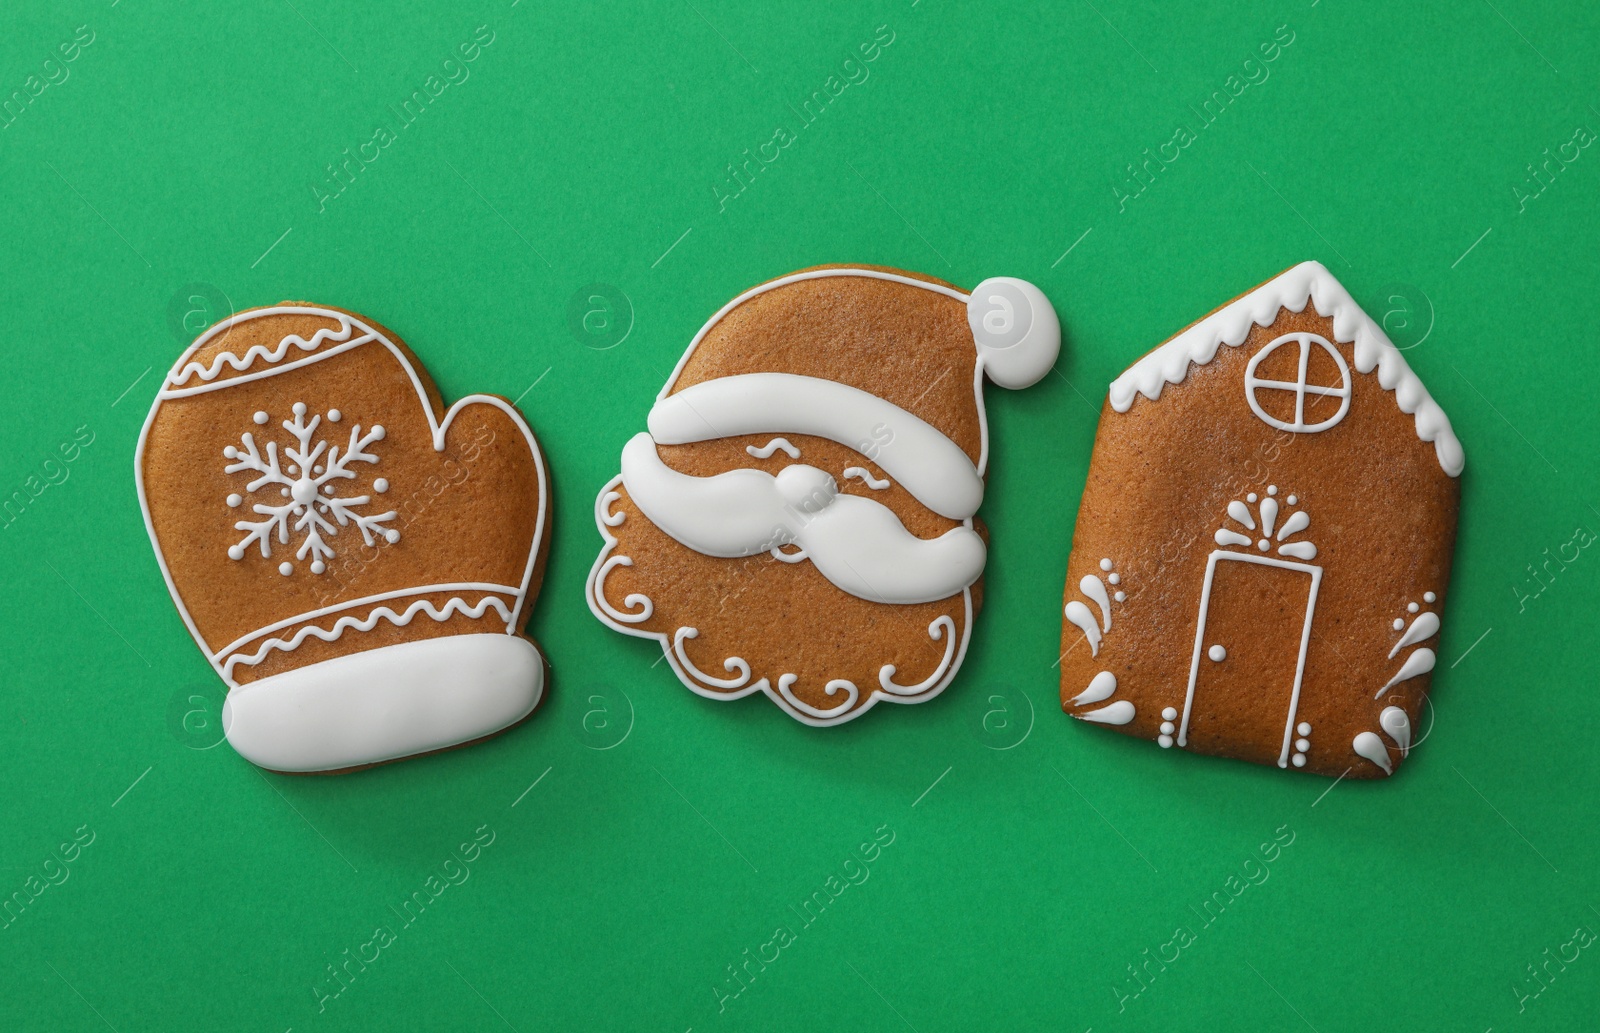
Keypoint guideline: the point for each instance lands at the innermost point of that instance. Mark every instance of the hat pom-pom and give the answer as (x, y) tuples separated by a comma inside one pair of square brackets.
[(1016, 330)]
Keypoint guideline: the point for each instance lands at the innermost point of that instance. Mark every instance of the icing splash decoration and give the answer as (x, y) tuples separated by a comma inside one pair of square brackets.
[(1306, 283)]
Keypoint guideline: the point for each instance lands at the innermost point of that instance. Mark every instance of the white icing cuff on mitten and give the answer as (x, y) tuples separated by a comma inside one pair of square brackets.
[(386, 703)]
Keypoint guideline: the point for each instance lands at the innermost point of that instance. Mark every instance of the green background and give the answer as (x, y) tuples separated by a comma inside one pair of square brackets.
[(587, 146)]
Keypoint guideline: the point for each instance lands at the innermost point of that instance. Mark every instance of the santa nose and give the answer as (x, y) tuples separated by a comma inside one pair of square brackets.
[(807, 488)]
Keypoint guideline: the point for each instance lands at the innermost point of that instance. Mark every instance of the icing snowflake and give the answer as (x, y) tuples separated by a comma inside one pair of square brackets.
[(308, 484)]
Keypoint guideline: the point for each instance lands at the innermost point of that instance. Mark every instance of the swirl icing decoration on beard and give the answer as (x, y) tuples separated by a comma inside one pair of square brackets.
[(857, 544)]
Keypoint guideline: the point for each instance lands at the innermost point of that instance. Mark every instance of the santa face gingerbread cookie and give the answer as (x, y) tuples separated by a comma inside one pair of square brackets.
[(355, 561), (1263, 547), (799, 518)]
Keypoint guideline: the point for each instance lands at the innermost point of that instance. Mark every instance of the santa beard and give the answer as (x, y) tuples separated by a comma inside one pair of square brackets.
[(731, 627)]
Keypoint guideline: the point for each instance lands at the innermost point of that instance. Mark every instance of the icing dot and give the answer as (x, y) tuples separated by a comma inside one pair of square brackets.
[(286, 568), (317, 566), (1120, 596), (328, 489), (391, 536), (235, 552), (1272, 489), (1217, 654), (1167, 728), (294, 469), (1399, 624), (1105, 564), (235, 500), (378, 432), (260, 418), (316, 469), (1251, 497), (284, 491), (1429, 597), (1263, 545), (334, 415), (1302, 745), (1292, 500), (1169, 713), (1165, 741), (1412, 607), (1115, 579), (230, 453), (380, 485), (1303, 728), (299, 408), (1299, 760)]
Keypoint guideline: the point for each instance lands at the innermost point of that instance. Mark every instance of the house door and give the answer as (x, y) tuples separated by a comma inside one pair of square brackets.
[(1249, 655)]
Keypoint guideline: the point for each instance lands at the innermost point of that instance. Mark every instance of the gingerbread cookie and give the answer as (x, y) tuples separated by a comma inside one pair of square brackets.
[(1263, 547), (355, 561), (799, 519)]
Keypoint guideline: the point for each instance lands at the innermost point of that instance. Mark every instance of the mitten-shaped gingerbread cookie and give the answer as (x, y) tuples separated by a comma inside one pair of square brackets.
[(355, 561), (799, 519)]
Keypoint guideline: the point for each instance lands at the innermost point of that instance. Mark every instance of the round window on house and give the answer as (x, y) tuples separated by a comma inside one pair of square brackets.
[(1298, 383)]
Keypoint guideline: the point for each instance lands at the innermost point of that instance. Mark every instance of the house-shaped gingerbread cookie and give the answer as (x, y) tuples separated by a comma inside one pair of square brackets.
[(1263, 548)]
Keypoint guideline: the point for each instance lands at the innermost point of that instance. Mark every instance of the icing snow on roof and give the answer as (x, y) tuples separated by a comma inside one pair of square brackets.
[(1308, 281)]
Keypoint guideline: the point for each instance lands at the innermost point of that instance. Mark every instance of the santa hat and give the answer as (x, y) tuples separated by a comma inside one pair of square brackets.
[(887, 363)]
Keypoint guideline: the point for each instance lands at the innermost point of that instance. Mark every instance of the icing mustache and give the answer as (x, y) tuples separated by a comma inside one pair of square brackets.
[(857, 544)]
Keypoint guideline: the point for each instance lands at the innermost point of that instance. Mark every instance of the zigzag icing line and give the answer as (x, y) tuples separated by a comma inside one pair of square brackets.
[(451, 607), (339, 333)]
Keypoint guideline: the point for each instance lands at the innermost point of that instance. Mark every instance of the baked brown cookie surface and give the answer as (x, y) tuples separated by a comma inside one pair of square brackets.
[(1263, 547), (799, 519), (355, 561)]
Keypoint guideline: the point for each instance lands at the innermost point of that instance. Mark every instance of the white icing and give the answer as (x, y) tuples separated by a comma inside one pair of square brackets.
[(1424, 627), (1240, 512), (307, 487), (1394, 721), (786, 690), (181, 374), (1105, 564), (1303, 728), (1165, 741), (1016, 331), (1200, 630), (1412, 607), (1306, 282), (1300, 387), (1101, 686), (1420, 662), (1296, 523), (1269, 516), (1118, 713), (1095, 589), (875, 483), (1429, 597), (353, 333), (603, 509), (370, 621), (942, 627), (1217, 654), (1302, 745), (385, 703), (1079, 615), (1371, 747), (646, 607), (1227, 537), (733, 664), (1299, 550), (1167, 728), (1169, 713), (1299, 760), (856, 543), (909, 449), (765, 451)]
